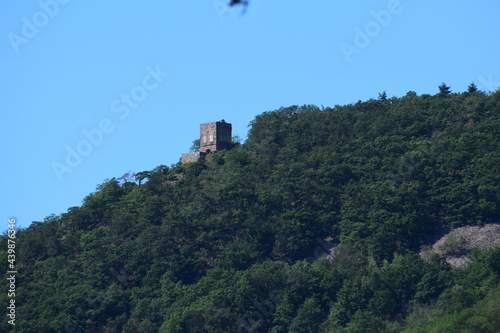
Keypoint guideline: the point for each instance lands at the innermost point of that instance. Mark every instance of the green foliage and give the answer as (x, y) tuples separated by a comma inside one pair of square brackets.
[(220, 245), (195, 146), (444, 89), (472, 88), (454, 245), (309, 317)]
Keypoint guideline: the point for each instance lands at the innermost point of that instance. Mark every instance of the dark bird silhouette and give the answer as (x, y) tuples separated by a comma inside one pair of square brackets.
[(238, 2)]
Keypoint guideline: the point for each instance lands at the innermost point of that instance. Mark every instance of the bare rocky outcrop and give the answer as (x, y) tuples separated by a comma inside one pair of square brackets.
[(457, 244)]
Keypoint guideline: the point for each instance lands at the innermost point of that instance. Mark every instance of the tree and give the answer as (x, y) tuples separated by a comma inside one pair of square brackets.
[(196, 146), (126, 179), (444, 89), (140, 176), (382, 96), (309, 317), (472, 88)]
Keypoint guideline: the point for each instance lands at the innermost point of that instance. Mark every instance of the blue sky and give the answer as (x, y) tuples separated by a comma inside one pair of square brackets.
[(125, 84)]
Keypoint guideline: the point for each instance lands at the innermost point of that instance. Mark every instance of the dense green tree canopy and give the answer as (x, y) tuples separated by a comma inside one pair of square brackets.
[(232, 243)]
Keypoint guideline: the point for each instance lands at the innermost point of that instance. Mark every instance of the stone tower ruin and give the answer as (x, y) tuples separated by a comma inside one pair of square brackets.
[(213, 136)]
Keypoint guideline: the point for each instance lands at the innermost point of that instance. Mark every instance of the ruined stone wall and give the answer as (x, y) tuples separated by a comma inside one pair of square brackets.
[(215, 136), (224, 135), (190, 157), (208, 137)]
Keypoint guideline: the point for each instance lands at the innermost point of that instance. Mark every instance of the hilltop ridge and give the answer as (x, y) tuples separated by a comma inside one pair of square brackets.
[(235, 243)]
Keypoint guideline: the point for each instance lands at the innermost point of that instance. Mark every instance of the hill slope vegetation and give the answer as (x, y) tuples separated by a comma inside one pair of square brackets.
[(235, 243)]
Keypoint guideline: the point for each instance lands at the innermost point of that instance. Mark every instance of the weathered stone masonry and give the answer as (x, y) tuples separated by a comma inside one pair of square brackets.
[(213, 136)]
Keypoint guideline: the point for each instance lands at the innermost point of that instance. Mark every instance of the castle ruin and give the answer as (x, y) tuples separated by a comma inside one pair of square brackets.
[(214, 136)]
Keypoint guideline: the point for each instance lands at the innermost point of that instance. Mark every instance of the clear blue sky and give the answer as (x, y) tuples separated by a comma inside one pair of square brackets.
[(68, 66)]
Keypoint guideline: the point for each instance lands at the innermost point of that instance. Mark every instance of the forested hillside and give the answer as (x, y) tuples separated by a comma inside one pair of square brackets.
[(233, 243)]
